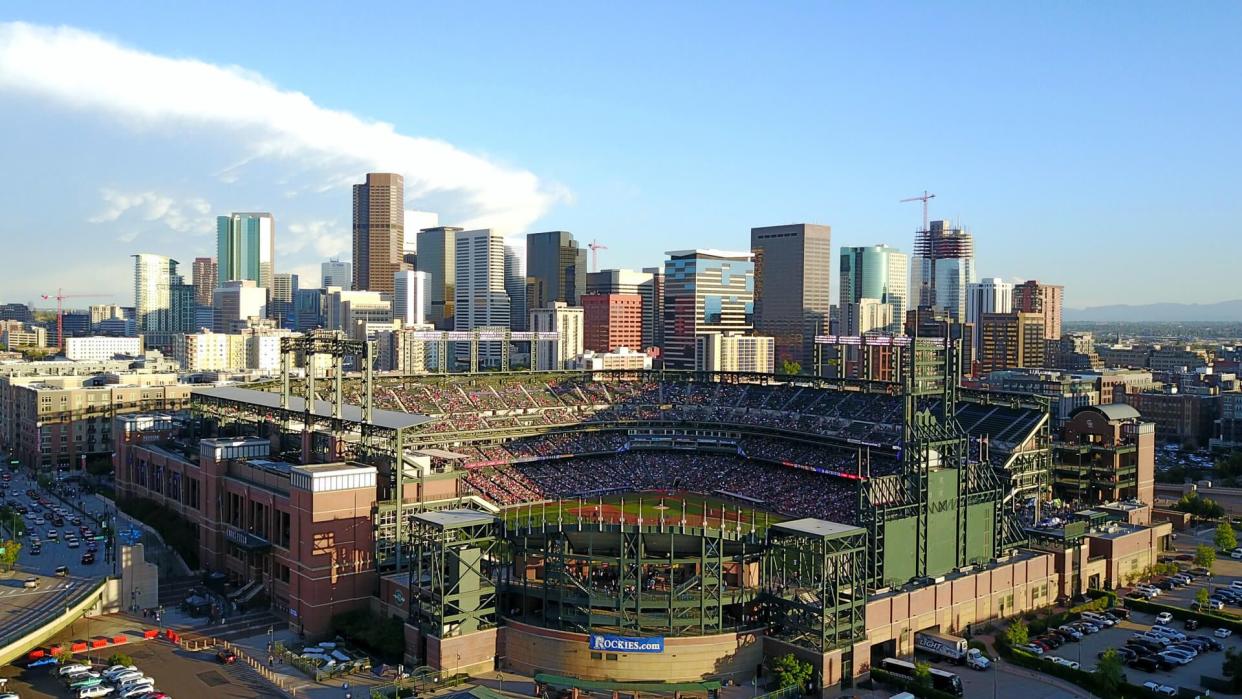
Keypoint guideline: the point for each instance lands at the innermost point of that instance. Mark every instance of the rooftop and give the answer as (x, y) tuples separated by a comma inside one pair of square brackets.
[(388, 419), (452, 519), (818, 527)]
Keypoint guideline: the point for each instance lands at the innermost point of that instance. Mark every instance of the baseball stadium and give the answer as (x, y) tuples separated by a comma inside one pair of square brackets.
[(627, 527)]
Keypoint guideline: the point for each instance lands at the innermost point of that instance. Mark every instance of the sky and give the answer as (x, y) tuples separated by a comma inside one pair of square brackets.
[(1095, 145)]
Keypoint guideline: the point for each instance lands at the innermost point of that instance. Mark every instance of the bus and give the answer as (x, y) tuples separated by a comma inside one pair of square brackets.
[(941, 680)]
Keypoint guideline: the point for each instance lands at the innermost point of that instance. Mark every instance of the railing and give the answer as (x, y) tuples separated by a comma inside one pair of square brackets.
[(197, 644), (786, 693)]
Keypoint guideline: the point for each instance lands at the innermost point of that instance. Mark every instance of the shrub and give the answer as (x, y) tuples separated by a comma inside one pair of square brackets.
[(120, 659), (383, 637)]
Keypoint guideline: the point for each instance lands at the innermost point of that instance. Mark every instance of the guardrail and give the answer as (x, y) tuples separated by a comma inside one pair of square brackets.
[(14, 643)]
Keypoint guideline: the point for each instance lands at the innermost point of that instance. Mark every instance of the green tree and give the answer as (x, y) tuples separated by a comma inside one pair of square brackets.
[(64, 656), (789, 671), (1226, 539), (120, 659), (1205, 556), (11, 549), (922, 674), (1201, 599), (1110, 672), (1017, 634), (1232, 668), (789, 366)]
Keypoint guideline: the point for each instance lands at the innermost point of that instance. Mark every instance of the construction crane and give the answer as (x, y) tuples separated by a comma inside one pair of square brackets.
[(60, 312), (923, 199), (596, 246)]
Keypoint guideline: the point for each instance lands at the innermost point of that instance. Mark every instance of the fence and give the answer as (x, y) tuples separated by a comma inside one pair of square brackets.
[(786, 693)]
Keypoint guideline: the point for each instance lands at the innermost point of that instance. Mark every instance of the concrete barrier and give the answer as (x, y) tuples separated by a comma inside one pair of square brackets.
[(49, 628)]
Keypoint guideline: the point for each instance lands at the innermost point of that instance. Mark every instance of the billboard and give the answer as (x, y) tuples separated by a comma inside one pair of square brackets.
[(627, 644)]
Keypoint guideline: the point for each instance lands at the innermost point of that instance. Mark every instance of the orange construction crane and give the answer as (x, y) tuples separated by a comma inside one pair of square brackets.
[(923, 199), (60, 312), (596, 246)]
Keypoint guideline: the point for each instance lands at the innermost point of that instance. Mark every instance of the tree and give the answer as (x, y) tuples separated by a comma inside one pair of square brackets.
[(789, 671), (789, 366), (9, 557), (1109, 672), (120, 659), (1017, 634), (1232, 668), (922, 674), (1201, 599), (1205, 556), (1226, 539), (64, 656)]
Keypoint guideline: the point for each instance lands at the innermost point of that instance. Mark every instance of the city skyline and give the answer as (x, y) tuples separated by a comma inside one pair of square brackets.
[(1148, 173)]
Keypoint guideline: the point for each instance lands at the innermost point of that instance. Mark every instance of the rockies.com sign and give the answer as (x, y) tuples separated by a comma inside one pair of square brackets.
[(627, 644)]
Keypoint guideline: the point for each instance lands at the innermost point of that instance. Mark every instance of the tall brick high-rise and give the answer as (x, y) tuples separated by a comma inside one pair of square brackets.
[(379, 231), (612, 320)]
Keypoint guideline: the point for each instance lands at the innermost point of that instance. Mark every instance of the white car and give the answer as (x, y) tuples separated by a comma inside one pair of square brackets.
[(117, 670), (1222, 633), (1157, 688), (1033, 649), (98, 690), (1056, 660), (1175, 656), (67, 670), (1164, 618)]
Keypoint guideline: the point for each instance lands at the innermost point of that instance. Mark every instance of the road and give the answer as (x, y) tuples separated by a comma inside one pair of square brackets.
[(21, 608)]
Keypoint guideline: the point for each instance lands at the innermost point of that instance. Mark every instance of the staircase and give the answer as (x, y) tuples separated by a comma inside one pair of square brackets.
[(245, 625)]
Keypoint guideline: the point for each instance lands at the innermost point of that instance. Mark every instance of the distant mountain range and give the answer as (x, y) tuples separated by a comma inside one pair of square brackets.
[(1224, 311)]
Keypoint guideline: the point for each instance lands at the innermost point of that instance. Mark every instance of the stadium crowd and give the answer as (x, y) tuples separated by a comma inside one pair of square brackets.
[(471, 404), (791, 491)]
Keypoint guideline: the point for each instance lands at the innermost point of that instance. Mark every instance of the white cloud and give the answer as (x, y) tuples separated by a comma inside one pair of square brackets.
[(190, 215), (323, 237), (85, 71)]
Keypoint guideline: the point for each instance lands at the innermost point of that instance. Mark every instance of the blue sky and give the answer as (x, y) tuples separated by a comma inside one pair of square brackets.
[(1095, 145)]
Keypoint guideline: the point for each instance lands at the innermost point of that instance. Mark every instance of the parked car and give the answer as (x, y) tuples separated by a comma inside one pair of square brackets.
[(1034, 649), (1161, 689), (1164, 618), (1147, 663), (1056, 660), (1191, 624), (1176, 657)]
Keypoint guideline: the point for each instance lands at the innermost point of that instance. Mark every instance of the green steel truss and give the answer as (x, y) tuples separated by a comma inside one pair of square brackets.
[(815, 587), (452, 589)]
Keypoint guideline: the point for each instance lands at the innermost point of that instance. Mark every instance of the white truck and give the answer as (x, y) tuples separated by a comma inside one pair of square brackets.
[(951, 648)]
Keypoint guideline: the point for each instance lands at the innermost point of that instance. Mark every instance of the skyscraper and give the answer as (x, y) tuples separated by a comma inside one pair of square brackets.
[(411, 299), (379, 231), (705, 291), (991, 295), (611, 321), (647, 285), (555, 269), (792, 286), (246, 248), (284, 290), (515, 286), (335, 273), (1045, 299), (944, 263), (163, 302), (876, 272), (205, 279), (558, 317), (437, 257), (480, 297), (1010, 341)]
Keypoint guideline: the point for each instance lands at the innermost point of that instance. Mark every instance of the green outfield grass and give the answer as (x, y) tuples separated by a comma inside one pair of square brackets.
[(695, 507)]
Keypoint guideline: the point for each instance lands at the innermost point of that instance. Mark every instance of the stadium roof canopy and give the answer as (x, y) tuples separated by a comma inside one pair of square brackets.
[(820, 528), (387, 419), (1112, 411), (454, 519)]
